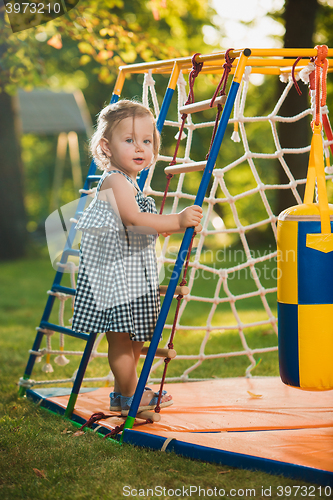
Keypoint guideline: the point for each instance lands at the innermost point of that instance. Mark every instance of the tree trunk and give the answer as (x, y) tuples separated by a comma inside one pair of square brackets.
[(299, 17), (12, 212), (13, 232)]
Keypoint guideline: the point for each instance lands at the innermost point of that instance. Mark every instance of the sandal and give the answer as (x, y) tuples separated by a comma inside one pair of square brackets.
[(127, 401), (115, 403)]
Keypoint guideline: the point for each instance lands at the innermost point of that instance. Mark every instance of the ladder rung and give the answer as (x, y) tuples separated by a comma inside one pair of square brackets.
[(202, 105), (72, 251), (149, 415), (181, 168), (93, 178), (161, 353), (180, 290), (63, 329), (63, 289)]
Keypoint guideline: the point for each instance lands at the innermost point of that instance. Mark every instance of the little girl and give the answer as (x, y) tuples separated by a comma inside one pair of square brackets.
[(117, 286)]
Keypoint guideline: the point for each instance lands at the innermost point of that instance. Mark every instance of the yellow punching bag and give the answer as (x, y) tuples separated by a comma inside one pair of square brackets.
[(305, 283)]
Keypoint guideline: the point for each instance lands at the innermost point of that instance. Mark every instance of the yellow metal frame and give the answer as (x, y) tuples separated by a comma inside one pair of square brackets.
[(262, 61)]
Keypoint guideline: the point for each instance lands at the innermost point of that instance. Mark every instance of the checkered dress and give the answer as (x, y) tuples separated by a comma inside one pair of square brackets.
[(117, 285)]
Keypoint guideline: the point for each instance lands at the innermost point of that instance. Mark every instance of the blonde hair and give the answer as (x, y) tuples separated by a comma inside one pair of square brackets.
[(109, 118)]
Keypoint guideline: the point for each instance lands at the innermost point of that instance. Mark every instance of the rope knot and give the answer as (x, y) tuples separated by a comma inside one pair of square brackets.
[(196, 67), (229, 60), (223, 82)]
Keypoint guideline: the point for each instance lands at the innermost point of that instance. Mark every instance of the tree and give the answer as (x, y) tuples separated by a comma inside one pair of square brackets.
[(12, 212), (97, 36), (299, 18)]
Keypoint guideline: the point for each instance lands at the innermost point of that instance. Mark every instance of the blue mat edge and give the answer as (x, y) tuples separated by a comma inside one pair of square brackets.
[(202, 453), (233, 459)]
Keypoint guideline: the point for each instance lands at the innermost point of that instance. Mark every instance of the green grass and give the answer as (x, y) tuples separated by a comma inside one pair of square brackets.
[(41, 458)]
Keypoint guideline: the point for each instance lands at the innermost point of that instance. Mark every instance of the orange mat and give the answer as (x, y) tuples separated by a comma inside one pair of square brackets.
[(259, 417)]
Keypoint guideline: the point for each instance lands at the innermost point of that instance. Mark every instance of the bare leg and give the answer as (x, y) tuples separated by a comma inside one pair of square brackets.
[(123, 355), (136, 347), (123, 362)]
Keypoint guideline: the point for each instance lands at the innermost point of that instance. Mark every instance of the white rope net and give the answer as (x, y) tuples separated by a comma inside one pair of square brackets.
[(222, 306)]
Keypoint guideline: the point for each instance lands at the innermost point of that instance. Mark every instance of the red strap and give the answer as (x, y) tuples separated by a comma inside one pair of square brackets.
[(227, 68), (94, 418), (321, 64), (223, 83), (294, 77)]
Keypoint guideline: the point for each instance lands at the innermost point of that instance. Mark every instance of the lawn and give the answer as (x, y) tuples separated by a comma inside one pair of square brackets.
[(43, 458)]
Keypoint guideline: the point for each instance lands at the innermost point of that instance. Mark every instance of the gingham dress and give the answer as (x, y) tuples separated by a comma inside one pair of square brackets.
[(117, 285)]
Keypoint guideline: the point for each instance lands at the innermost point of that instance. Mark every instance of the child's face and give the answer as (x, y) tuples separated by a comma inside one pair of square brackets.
[(131, 145)]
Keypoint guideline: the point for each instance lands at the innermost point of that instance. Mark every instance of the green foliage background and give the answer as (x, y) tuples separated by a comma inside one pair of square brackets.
[(98, 37)]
